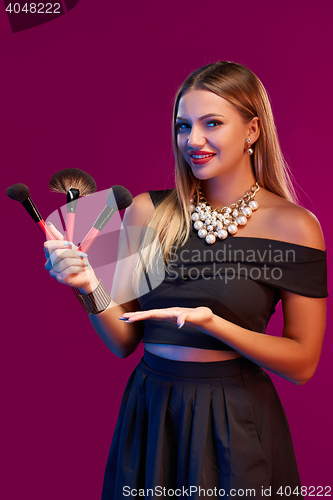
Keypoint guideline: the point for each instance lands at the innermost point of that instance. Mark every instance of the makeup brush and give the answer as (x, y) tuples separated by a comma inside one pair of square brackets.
[(21, 193), (75, 183), (117, 199)]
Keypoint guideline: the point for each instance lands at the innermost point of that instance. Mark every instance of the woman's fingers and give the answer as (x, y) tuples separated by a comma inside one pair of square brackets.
[(52, 245), (61, 254), (48, 264), (168, 314), (179, 315), (66, 261), (66, 275), (66, 264), (195, 316), (71, 265), (55, 231)]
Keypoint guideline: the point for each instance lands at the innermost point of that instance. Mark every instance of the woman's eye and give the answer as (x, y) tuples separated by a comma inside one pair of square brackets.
[(213, 123), (180, 127)]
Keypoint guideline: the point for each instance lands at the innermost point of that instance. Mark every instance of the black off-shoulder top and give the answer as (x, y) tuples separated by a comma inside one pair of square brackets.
[(238, 278)]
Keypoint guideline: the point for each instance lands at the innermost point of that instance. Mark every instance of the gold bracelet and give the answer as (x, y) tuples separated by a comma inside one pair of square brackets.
[(96, 301)]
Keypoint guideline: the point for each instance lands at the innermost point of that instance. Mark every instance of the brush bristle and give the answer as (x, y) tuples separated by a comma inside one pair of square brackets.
[(121, 196), (18, 192), (68, 178)]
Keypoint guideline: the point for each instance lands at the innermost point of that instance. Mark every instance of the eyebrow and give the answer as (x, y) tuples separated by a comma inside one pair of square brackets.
[(201, 117)]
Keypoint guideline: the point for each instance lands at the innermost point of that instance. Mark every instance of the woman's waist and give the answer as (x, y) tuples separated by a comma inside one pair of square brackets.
[(194, 354), (184, 369)]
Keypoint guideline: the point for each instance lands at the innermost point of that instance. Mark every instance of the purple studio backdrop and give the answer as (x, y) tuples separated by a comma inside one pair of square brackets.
[(93, 88)]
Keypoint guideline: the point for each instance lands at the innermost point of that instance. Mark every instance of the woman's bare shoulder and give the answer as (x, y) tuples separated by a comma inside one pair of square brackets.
[(292, 222), (140, 211)]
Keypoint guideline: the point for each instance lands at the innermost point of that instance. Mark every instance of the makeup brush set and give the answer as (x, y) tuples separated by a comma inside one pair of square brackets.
[(74, 183)]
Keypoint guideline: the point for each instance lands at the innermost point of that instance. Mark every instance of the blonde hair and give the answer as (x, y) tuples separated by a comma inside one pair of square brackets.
[(238, 85)]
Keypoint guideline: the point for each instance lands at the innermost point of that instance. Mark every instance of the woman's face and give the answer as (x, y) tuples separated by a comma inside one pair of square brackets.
[(211, 134)]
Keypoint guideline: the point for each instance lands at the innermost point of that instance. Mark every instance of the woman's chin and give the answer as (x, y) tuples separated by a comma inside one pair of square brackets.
[(200, 172)]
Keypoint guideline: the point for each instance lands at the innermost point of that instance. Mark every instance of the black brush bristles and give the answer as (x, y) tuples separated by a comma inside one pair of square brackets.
[(118, 198), (69, 178), (121, 196), (21, 193), (18, 192)]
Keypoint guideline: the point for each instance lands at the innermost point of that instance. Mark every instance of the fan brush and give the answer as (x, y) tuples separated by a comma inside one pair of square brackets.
[(74, 183), (21, 193)]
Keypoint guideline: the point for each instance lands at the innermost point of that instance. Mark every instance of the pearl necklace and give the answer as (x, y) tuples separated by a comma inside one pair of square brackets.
[(212, 222)]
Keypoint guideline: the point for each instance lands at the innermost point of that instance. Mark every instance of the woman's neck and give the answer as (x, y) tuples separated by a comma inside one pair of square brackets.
[(228, 188)]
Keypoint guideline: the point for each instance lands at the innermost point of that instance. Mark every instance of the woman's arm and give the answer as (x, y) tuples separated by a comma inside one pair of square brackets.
[(293, 356), (66, 267), (296, 354)]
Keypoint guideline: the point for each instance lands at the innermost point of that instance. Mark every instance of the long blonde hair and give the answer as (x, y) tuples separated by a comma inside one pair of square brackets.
[(238, 85)]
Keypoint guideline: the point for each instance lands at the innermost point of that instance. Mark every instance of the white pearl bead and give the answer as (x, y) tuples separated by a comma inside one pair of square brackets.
[(222, 234), (235, 213), (214, 214), (192, 208), (202, 217), (247, 211), (195, 216), (242, 220), (202, 233), (202, 205), (232, 228), (219, 226), (198, 225), (210, 238), (227, 210), (253, 204), (210, 228), (198, 209), (208, 221), (220, 216)]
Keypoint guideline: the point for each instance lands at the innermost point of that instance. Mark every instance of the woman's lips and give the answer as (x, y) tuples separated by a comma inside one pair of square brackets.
[(199, 157)]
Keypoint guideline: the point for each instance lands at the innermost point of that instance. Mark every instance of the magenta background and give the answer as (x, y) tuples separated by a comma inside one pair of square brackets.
[(94, 90)]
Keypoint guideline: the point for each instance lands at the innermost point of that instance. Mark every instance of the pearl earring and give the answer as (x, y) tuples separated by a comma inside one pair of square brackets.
[(249, 150)]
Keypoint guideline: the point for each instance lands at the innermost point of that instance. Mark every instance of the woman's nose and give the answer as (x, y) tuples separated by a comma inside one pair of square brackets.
[(196, 138)]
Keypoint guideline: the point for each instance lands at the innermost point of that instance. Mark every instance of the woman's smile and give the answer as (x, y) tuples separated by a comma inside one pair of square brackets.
[(200, 157)]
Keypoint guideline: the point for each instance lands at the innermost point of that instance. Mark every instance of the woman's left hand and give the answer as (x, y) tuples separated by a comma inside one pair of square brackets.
[(196, 317)]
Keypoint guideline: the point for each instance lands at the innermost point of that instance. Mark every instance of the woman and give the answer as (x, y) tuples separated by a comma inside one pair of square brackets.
[(199, 415)]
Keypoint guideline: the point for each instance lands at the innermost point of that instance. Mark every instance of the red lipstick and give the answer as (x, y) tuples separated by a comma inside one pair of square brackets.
[(204, 154)]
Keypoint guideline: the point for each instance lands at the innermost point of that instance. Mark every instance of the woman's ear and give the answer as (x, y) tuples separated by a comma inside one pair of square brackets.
[(254, 129)]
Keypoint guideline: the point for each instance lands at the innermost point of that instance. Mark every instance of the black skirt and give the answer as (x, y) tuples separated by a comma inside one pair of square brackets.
[(197, 430)]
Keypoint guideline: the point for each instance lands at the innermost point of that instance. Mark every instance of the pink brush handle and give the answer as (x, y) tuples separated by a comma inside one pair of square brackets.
[(89, 239), (70, 220), (45, 230)]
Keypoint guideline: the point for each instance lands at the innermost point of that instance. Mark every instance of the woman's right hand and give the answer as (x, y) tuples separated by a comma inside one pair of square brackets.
[(67, 265)]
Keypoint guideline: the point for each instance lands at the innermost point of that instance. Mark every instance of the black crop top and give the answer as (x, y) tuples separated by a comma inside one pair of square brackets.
[(238, 278)]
